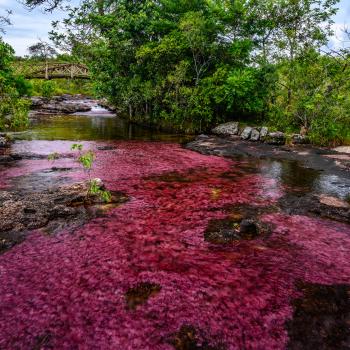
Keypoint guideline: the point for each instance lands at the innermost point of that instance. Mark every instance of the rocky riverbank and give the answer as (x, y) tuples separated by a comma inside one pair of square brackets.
[(65, 104), (52, 209), (262, 134), (328, 160), (331, 200)]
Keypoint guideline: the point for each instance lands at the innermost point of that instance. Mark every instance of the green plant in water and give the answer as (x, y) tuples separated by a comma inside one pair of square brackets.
[(86, 159)]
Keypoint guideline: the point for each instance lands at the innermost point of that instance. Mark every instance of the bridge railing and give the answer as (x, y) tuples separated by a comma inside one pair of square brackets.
[(59, 71)]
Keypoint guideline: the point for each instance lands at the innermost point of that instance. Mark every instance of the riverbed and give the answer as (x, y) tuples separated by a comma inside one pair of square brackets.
[(206, 252)]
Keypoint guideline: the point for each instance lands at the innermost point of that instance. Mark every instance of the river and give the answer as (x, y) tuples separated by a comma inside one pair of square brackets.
[(172, 267)]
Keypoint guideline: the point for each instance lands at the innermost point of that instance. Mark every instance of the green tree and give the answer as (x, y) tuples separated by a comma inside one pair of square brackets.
[(13, 109), (191, 64)]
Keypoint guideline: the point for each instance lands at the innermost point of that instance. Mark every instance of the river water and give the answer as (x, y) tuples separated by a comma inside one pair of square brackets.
[(285, 288)]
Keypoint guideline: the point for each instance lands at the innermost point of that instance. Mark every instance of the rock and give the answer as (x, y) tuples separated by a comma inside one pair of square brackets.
[(235, 228), (3, 142), (227, 129), (247, 131), (5, 159), (342, 149), (321, 317), (37, 102), (263, 133), (276, 138), (140, 293), (64, 104), (105, 104), (59, 208), (333, 202), (249, 227), (202, 136), (190, 338), (64, 108), (99, 183), (320, 206), (299, 139), (255, 135)]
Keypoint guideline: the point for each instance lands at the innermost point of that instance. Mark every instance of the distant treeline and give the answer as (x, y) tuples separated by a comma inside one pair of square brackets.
[(193, 64)]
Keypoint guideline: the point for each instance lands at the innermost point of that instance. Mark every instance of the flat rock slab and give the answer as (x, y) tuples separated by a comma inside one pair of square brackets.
[(64, 207), (326, 160)]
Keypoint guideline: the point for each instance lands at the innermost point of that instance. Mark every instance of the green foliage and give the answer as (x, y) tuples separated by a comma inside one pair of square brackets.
[(95, 189), (13, 109), (192, 64), (60, 87), (317, 98), (48, 89), (86, 159)]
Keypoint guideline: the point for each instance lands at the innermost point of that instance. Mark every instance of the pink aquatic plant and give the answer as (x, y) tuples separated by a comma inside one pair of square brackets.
[(68, 291)]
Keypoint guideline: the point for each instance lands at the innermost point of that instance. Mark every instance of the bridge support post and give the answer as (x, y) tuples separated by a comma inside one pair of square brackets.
[(47, 71)]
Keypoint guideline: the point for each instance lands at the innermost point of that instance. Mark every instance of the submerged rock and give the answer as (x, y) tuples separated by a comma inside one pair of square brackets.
[(227, 129), (320, 206), (188, 338), (321, 318), (226, 231), (139, 294)]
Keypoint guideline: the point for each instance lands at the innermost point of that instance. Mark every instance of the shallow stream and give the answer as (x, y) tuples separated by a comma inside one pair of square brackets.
[(145, 275)]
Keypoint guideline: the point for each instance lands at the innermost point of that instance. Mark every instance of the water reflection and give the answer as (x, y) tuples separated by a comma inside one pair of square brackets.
[(100, 124), (296, 178), (94, 125)]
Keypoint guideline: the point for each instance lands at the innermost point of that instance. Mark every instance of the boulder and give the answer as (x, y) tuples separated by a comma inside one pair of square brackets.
[(227, 129), (246, 133), (255, 135), (299, 139), (263, 133), (249, 227), (64, 108), (276, 138), (4, 142), (37, 102)]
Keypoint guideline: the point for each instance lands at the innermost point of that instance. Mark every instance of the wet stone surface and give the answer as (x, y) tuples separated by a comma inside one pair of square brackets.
[(188, 338), (140, 293), (53, 210), (311, 205), (242, 223), (238, 226), (321, 318)]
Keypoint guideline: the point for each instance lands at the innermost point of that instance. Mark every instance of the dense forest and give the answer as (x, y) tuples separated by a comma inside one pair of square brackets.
[(193, 64)]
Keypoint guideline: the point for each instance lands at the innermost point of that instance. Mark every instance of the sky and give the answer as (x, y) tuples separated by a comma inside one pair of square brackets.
[(29, 26)]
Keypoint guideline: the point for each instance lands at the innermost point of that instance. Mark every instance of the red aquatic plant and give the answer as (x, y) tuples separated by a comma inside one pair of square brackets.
[(68, 291)]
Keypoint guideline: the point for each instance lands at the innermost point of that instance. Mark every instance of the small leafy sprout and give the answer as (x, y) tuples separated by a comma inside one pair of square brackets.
[(95, 189), (87, 162), (53, 156), (77, 146)]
